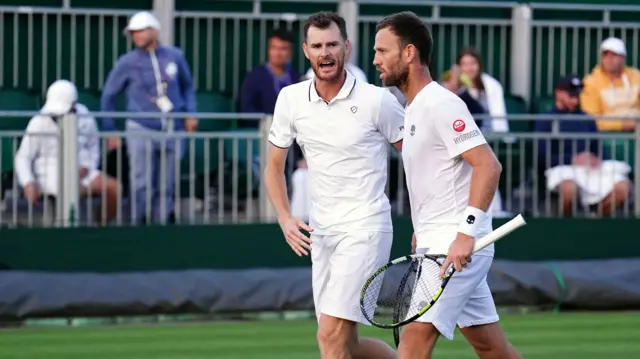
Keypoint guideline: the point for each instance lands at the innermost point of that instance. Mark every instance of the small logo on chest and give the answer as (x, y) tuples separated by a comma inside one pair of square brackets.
[(354, 109), (413, 130)]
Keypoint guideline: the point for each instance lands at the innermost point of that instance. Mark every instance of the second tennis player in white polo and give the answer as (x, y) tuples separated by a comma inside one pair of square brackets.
[(452, 175)]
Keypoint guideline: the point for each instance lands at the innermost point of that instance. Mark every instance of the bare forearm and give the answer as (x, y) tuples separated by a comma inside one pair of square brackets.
[(277, 192), (484, 183)]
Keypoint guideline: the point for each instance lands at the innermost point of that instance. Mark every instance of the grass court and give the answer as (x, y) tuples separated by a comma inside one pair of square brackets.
[(537, 336)]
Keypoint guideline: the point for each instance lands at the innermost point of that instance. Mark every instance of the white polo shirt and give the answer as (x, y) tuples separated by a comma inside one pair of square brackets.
[(439, 129), (345, 143)]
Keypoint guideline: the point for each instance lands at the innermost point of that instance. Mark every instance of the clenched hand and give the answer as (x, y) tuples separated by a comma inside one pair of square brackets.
[(459, 253)]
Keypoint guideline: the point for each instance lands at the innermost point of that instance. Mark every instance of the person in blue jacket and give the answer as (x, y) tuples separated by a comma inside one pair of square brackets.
[(155, 79), (261, 86)]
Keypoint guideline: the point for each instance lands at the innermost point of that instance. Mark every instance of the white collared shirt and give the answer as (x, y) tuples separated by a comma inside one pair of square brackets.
[(346, 144), (439, 128), (36, 161)]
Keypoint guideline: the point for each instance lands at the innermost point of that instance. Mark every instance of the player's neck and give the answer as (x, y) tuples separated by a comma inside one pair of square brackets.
[(415, 84), (327, 90)]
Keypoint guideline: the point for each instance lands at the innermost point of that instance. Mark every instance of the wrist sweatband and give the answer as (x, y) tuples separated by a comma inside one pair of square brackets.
[(471, 221)]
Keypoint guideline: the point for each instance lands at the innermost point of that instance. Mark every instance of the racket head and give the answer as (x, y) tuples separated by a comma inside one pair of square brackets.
[(402, 290)]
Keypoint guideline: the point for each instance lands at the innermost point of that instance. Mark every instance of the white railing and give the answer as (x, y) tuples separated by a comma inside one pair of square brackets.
[(220, 175)]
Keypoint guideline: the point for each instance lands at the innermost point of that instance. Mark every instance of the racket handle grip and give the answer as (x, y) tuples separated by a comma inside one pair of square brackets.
[(499, 233)]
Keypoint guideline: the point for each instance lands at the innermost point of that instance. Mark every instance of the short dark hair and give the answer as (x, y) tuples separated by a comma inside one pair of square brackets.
[(323, 20), (281, 34), (408, 27)]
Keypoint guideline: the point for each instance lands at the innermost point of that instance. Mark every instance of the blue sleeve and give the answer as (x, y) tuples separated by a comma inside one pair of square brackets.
[(249, 94), (114, 85), (472, 104), (186, 84), (543, 126), (474, 107)]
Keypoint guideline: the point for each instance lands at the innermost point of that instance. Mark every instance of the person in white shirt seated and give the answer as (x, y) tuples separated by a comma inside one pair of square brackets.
[(36, 161)]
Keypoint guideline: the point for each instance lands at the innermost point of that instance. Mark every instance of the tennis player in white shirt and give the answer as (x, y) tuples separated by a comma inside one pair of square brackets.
[(452, 175), (344, 128), (36, 161)]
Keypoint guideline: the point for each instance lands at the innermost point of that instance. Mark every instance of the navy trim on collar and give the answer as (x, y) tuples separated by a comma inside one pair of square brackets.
[(337, 96)]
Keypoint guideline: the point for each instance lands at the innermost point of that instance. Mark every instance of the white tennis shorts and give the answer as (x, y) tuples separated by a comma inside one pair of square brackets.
[(341, 263), (466, 300)]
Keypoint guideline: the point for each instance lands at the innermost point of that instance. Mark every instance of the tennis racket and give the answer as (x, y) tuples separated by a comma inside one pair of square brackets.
[(415, 284)]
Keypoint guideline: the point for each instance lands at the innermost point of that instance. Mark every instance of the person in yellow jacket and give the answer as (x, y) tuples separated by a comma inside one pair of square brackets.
[(612, 88)]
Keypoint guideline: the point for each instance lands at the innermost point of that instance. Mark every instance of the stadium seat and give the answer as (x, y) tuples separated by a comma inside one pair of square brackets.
[(211, 102), (517, 105), (90, 99), (244, 160), (542, 105), (208, 102)]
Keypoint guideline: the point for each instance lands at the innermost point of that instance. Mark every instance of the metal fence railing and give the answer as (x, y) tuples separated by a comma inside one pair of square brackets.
[(566, 39), (218, 179), (217, 175), (537, 165), (48, 44), (81, 45), (485, 26)]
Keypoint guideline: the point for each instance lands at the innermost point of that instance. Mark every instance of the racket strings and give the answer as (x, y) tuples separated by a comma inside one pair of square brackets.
[(420, 289), (402, 291)]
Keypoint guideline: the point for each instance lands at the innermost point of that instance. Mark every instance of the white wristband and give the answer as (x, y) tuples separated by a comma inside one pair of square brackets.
[(471, 221)]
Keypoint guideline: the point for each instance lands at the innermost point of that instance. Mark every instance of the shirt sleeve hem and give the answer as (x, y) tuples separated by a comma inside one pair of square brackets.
[(467, 147)]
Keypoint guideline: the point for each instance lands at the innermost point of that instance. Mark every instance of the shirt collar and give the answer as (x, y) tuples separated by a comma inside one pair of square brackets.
[(345, 91)]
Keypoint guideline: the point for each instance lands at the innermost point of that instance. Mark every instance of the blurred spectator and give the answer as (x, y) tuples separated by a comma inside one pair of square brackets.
[(576, 167), (36, 161), (349, 66), (155, 79), (468, 79), (262, 85), (483, 95), (612, 88), (300, 201), (459, 83)]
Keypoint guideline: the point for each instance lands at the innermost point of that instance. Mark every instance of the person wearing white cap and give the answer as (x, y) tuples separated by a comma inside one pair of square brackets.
[(36, 161), (155, 79), (612, 88)]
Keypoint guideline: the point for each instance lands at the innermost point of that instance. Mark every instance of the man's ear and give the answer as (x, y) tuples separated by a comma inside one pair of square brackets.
[(305, 50)]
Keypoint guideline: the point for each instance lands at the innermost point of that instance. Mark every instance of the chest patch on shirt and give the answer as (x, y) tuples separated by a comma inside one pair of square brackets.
[(171, 70)]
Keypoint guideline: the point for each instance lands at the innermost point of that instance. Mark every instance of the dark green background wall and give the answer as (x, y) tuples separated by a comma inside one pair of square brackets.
[(247, 246), (102, 45)]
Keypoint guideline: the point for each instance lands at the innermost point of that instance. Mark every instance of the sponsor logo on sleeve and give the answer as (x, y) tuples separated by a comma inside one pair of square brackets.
[(459, 125), (466, 136)]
